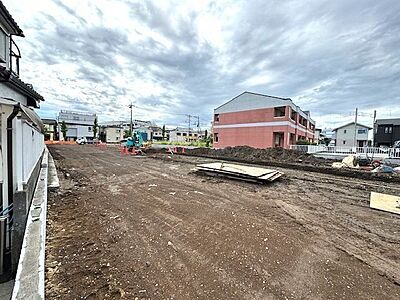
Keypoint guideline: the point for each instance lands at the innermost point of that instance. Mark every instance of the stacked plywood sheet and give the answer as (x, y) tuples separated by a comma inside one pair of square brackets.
[(389, 203), (241, 172)]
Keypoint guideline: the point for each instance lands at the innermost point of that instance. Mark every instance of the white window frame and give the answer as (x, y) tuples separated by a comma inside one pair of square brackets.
[(3, 35)]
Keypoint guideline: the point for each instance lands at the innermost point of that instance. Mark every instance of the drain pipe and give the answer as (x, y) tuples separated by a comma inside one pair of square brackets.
[(9, 155)]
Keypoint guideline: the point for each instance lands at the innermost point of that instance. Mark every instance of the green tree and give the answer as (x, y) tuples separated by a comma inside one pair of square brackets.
[(64, 129), (205, 134), (127, 133), (163, 131), (95, 127)]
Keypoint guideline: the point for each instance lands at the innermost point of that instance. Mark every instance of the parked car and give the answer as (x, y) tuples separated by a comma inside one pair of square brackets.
[(81, 141)]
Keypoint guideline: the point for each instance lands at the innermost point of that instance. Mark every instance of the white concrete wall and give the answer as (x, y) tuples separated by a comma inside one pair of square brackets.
[(5, 112), (6, 92), (28, 146)]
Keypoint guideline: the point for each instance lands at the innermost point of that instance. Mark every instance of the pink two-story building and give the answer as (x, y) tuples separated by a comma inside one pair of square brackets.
[(261, 121)]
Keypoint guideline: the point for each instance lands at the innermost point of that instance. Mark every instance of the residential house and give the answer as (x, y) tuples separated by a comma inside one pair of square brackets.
[(386, 132), (79, 124), (180, 134), (114, 131), (111, 133), (21, 143), (126, 125), (156, 133), (261, 121), (351, 135), (50, 129), (319, 136), (145, 131)]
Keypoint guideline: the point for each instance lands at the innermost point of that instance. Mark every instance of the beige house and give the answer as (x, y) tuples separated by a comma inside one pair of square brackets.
[(50, 129), (111, 134)]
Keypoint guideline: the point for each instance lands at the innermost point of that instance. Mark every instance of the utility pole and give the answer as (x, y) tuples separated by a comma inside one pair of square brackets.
[(188, 138), (355, 128), (198, 124), (373, 130), (131, 127)]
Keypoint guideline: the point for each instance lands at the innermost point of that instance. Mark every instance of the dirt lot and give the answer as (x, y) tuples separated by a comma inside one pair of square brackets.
[(147, 228)]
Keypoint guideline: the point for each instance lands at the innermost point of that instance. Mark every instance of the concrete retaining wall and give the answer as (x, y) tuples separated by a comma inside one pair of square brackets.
[(29, 281)]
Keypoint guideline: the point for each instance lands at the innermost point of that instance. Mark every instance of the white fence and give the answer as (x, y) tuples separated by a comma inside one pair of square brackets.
[(363, 151)]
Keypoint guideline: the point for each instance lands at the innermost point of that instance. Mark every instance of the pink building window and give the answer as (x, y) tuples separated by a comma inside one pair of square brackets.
[(279, 111)]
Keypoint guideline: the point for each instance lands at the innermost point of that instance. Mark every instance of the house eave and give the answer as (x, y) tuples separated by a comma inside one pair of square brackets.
[(13, 82), (10, 22)]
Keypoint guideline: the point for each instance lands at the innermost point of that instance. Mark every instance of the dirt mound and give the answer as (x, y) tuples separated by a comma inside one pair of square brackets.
[(252, 154)]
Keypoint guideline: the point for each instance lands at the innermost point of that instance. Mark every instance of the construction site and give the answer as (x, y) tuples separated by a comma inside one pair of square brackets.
[(158, 226)]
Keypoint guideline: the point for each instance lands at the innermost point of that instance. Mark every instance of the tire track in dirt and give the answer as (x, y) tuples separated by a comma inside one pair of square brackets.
[(230, 240)]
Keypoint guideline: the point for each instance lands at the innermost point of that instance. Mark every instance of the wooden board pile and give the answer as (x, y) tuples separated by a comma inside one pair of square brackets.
[(240, 172)]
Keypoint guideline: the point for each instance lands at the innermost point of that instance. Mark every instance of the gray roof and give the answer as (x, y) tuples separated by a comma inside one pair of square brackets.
[(32, 115), (5, 14), (249, 101), (388, 121), (49, 121), (26, 89), (358, 124)]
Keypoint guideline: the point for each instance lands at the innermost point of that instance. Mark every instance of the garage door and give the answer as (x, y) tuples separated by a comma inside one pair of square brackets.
[(72, 132)]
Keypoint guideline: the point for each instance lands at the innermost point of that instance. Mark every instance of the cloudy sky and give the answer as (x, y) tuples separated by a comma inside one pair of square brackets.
[(172, 58)]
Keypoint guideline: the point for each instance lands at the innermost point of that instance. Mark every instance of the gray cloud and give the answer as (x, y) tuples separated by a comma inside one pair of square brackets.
[(330, 56)]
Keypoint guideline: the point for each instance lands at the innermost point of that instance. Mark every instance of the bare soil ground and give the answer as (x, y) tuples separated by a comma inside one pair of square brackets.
[(125, 227)]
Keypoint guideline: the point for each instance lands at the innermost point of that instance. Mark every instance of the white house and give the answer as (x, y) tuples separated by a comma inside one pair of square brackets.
[(156, 133), (79, 124), (352, 135), (21, 139), (183, 135)]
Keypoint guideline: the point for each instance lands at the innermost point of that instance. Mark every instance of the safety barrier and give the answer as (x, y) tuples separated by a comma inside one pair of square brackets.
[(175, 150), (367, 151)]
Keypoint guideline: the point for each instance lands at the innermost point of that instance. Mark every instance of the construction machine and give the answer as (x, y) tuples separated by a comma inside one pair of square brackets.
[(136, 143)]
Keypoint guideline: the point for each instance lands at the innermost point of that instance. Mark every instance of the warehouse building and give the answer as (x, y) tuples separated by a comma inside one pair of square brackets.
[(79, 124), (261, 121)]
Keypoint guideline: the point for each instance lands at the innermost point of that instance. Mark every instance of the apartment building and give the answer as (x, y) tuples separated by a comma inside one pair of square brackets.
[(261, 121)]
